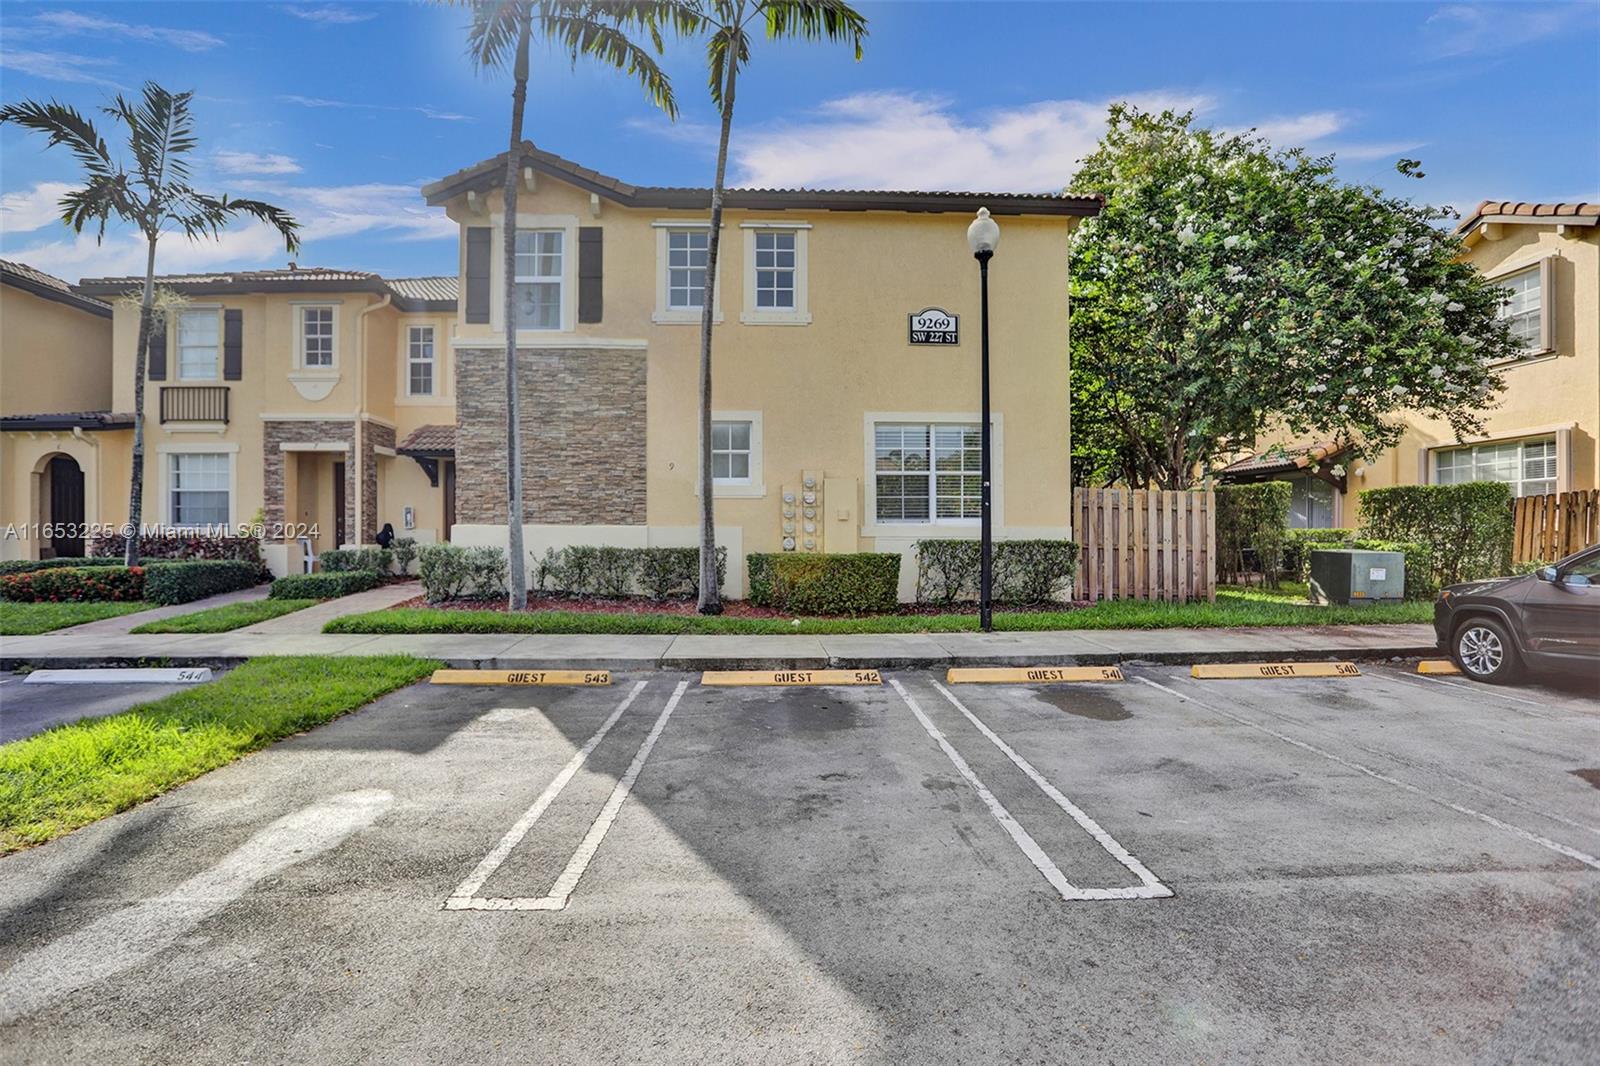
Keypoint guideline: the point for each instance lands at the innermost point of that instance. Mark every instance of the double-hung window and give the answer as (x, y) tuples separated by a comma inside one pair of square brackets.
[(1528, 466), (686, 269), (316, 337), (928, 473), (198, 334), (419, 361), (198, 484), (1524, 307), (730, 453), (775, 270), (538, 279)]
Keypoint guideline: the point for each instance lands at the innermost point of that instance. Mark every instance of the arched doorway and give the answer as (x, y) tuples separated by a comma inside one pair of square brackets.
[(63, 492)]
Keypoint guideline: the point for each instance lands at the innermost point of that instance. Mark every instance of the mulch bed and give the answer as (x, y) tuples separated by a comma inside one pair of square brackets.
[(642, 605)]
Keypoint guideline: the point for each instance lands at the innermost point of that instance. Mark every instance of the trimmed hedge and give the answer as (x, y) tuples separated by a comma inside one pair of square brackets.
[(176, 544), (184, 582), (1026, 572), (854, 583), (116, 584), (405, 553), (660, 573), (344, 560), (1467, 529), (1251, 518), (323, 586), (28, 566)]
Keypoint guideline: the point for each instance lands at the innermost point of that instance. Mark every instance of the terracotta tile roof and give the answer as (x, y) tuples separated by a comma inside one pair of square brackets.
[(1280, 460), (429, 440), (1581, 213), (490, 172), (68, 420), (426, 290), (36, 281), (410, 294)]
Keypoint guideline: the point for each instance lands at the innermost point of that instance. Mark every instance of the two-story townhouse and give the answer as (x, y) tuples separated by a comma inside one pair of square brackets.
[(837, 428), (55, 413), (1542, 434)]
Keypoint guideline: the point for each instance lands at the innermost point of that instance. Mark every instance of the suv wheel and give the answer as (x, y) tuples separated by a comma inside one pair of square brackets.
[(1484, 652)]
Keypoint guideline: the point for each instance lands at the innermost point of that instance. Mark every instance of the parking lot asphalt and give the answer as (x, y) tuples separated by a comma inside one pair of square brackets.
[(1380, 868), (28, 709)]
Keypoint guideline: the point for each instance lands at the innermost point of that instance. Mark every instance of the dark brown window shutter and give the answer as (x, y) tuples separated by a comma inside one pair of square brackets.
[(477, 303), (232, 345), (591, 267), (156, 368)]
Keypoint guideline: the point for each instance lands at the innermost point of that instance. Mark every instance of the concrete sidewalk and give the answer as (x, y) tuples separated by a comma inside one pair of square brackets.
[(124, 623), (1098, 647)]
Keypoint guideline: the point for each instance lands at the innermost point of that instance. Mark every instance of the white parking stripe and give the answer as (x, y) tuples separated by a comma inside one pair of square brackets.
[(1020, 836), (491, 862), (562, 890), (1478, 689), (1544, 842), (1089, 825)]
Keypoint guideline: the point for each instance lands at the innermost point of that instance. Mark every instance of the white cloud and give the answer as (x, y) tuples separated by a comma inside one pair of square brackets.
[(352, 105), (329, 14), (255, 163), (1472, 29), (1362, 153), (24, 212), (1291, 131), (59, 22), (59, 66)]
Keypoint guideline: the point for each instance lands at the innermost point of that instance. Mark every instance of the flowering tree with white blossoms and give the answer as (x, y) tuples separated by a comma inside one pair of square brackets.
[(1229, 288)]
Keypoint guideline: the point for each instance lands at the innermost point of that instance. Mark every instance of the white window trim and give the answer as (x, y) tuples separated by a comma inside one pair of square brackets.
[(756, 487), (174, 358), (568, 225), (1562, 432), (406, 361), (164, 475), (961, 527), (800, 314), (1545, 265), (664, 314), (297, 310)]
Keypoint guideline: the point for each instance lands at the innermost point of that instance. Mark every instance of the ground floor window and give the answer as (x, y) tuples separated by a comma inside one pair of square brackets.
[(928, 472), (199, 489), (730, 453), (1528, 466), (1310, 503)]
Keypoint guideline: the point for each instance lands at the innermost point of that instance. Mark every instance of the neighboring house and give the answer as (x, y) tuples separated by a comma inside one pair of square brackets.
[(833, 431), (55, 403), (1543, 434)]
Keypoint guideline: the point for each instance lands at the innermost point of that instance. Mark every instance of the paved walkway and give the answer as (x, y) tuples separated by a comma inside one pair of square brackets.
[(312, 619), (123, 624), (511, 651)]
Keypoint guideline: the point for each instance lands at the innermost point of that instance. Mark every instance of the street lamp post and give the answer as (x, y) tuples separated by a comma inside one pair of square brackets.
[(982, 236)]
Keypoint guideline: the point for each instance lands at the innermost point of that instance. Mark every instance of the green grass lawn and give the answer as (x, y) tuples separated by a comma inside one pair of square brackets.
[(77, 773), (229, 616), (1285, 606), (26, 619)]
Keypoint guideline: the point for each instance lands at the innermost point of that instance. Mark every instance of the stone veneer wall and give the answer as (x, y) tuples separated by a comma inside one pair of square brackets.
[(273, 458), (373, 436), (583, 418)]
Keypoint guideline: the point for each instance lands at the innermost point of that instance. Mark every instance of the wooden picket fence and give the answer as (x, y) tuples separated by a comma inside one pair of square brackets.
[(1551, 527), (1137, 544)]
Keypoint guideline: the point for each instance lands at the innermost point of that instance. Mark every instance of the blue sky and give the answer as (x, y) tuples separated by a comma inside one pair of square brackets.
[(340, 111)]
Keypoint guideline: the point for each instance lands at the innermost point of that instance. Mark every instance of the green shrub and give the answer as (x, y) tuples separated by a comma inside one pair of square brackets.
[(855, 583), (405, 553), (1467, 529), (1025, 571), (179, 544), (660, 573), (323, 586), (1251, 518), (614, 570), (487, 571), (27, 566), (344, 560), (184, 582), (1298, 545), (443, 570), (75, 584)]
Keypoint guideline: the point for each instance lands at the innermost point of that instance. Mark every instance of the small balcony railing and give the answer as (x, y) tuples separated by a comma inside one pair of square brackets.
[(194, 403)]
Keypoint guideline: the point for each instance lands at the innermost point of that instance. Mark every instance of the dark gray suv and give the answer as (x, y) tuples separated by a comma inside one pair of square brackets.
[(1545, 622)]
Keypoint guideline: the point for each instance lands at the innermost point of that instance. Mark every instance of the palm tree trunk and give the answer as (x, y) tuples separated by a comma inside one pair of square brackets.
[(710, 594), (130, 554), (514, 551)]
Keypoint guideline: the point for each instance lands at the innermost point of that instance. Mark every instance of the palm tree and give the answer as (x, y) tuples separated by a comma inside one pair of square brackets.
[(727, 51), (500, 33), (154, 196)]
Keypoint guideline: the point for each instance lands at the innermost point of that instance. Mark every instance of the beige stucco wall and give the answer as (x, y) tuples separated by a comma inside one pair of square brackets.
[(816, 386), (53, 357)]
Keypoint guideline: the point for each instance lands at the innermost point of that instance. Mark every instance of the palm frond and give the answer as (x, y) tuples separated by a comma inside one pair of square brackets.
[(816, 20), (492, 33), (160, 133), (97, 201), (717, 48), (203, 215), (579, 36), (64, 124)]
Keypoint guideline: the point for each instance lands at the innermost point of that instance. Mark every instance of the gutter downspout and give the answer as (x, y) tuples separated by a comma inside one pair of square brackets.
[(361, 408)]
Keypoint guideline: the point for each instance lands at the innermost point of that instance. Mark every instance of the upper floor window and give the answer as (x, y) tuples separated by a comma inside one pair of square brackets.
[(419, 361), (775, 284), (316, 337), (1524, 309), (775, 270), (538, 279), (198, 339), (686, 268), (928, 472), (730, 453), (199, 488), (1528, 466)]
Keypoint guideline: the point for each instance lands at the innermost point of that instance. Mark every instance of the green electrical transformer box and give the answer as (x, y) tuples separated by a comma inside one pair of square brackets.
[(1346, 576)]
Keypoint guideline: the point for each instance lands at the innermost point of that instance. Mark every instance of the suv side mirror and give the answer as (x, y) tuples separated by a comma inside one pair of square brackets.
[(1545, 573), (1576, 581)]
